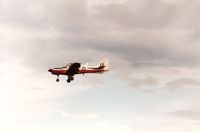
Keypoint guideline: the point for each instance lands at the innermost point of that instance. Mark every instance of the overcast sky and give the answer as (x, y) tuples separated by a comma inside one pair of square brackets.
[(154, 52)]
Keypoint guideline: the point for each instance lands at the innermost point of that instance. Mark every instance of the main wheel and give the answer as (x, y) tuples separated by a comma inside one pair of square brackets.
[(68, 80), (57, 80)]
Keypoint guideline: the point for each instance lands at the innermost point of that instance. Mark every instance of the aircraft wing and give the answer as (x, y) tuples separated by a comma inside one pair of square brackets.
[(73, 69)]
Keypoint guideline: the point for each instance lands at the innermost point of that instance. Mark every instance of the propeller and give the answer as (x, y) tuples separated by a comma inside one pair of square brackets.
[(50, 70)]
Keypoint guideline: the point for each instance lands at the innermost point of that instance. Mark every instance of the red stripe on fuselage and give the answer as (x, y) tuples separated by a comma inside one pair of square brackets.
[(90, 71), (62, 72), (57, 72)]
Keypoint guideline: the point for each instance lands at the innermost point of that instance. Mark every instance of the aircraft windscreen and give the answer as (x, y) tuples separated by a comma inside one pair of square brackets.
[(67, 66)]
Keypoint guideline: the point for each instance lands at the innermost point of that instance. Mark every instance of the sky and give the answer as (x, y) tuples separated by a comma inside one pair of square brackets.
[(153, 49)]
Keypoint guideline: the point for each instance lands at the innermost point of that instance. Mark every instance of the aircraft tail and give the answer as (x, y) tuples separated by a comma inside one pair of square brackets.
[(104, 64)]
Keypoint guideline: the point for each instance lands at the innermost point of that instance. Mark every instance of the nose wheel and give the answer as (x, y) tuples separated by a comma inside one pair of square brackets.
[(57, 80)]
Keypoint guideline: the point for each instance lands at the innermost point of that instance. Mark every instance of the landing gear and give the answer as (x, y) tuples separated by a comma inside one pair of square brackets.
[(70, 78), (57, 80)]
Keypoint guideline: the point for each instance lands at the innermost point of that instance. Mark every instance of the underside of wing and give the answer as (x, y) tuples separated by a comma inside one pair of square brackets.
[(73, 69)]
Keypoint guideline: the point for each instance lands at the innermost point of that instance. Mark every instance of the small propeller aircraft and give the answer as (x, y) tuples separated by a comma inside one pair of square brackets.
[(72, 69)]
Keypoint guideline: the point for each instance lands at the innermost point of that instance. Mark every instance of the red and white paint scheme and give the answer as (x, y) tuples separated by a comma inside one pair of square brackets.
[(72, 69)]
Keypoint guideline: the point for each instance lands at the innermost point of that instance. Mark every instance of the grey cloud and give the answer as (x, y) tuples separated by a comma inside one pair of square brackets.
[(80, 30), (186, 114), (146, 91), (37, 15), (124, 74), (137, 42), (56, 32), (182, 82), (152, 14), (144, 55), (149, 81)]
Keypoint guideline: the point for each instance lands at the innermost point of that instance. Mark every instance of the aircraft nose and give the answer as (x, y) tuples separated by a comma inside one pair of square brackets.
[(50, 70)]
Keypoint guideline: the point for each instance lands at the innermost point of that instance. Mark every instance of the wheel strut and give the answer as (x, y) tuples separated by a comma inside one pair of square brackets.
[(57, 80)]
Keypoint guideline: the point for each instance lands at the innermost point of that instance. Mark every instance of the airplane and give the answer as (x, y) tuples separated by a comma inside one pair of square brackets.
[(72, 69)]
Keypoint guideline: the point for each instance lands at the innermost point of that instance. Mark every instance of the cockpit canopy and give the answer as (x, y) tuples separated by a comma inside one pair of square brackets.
[(67, 66)]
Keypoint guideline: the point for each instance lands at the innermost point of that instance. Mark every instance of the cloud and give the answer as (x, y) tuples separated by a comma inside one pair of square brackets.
[(137, 36), (65, 114), (147, 81), (151, 45), (186, 114), (147, 91), (87, 116), (140, 14), (144, 35), (79, 115), (181, 83)]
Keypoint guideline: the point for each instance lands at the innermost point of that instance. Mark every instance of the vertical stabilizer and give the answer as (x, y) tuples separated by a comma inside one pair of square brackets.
[(104, 63)]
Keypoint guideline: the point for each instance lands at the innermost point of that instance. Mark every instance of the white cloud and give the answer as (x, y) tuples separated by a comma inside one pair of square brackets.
[(66, 115), (87, 115), (186, 114)]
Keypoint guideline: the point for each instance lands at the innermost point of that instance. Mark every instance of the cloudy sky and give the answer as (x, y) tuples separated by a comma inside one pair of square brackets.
[(154, 52)]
